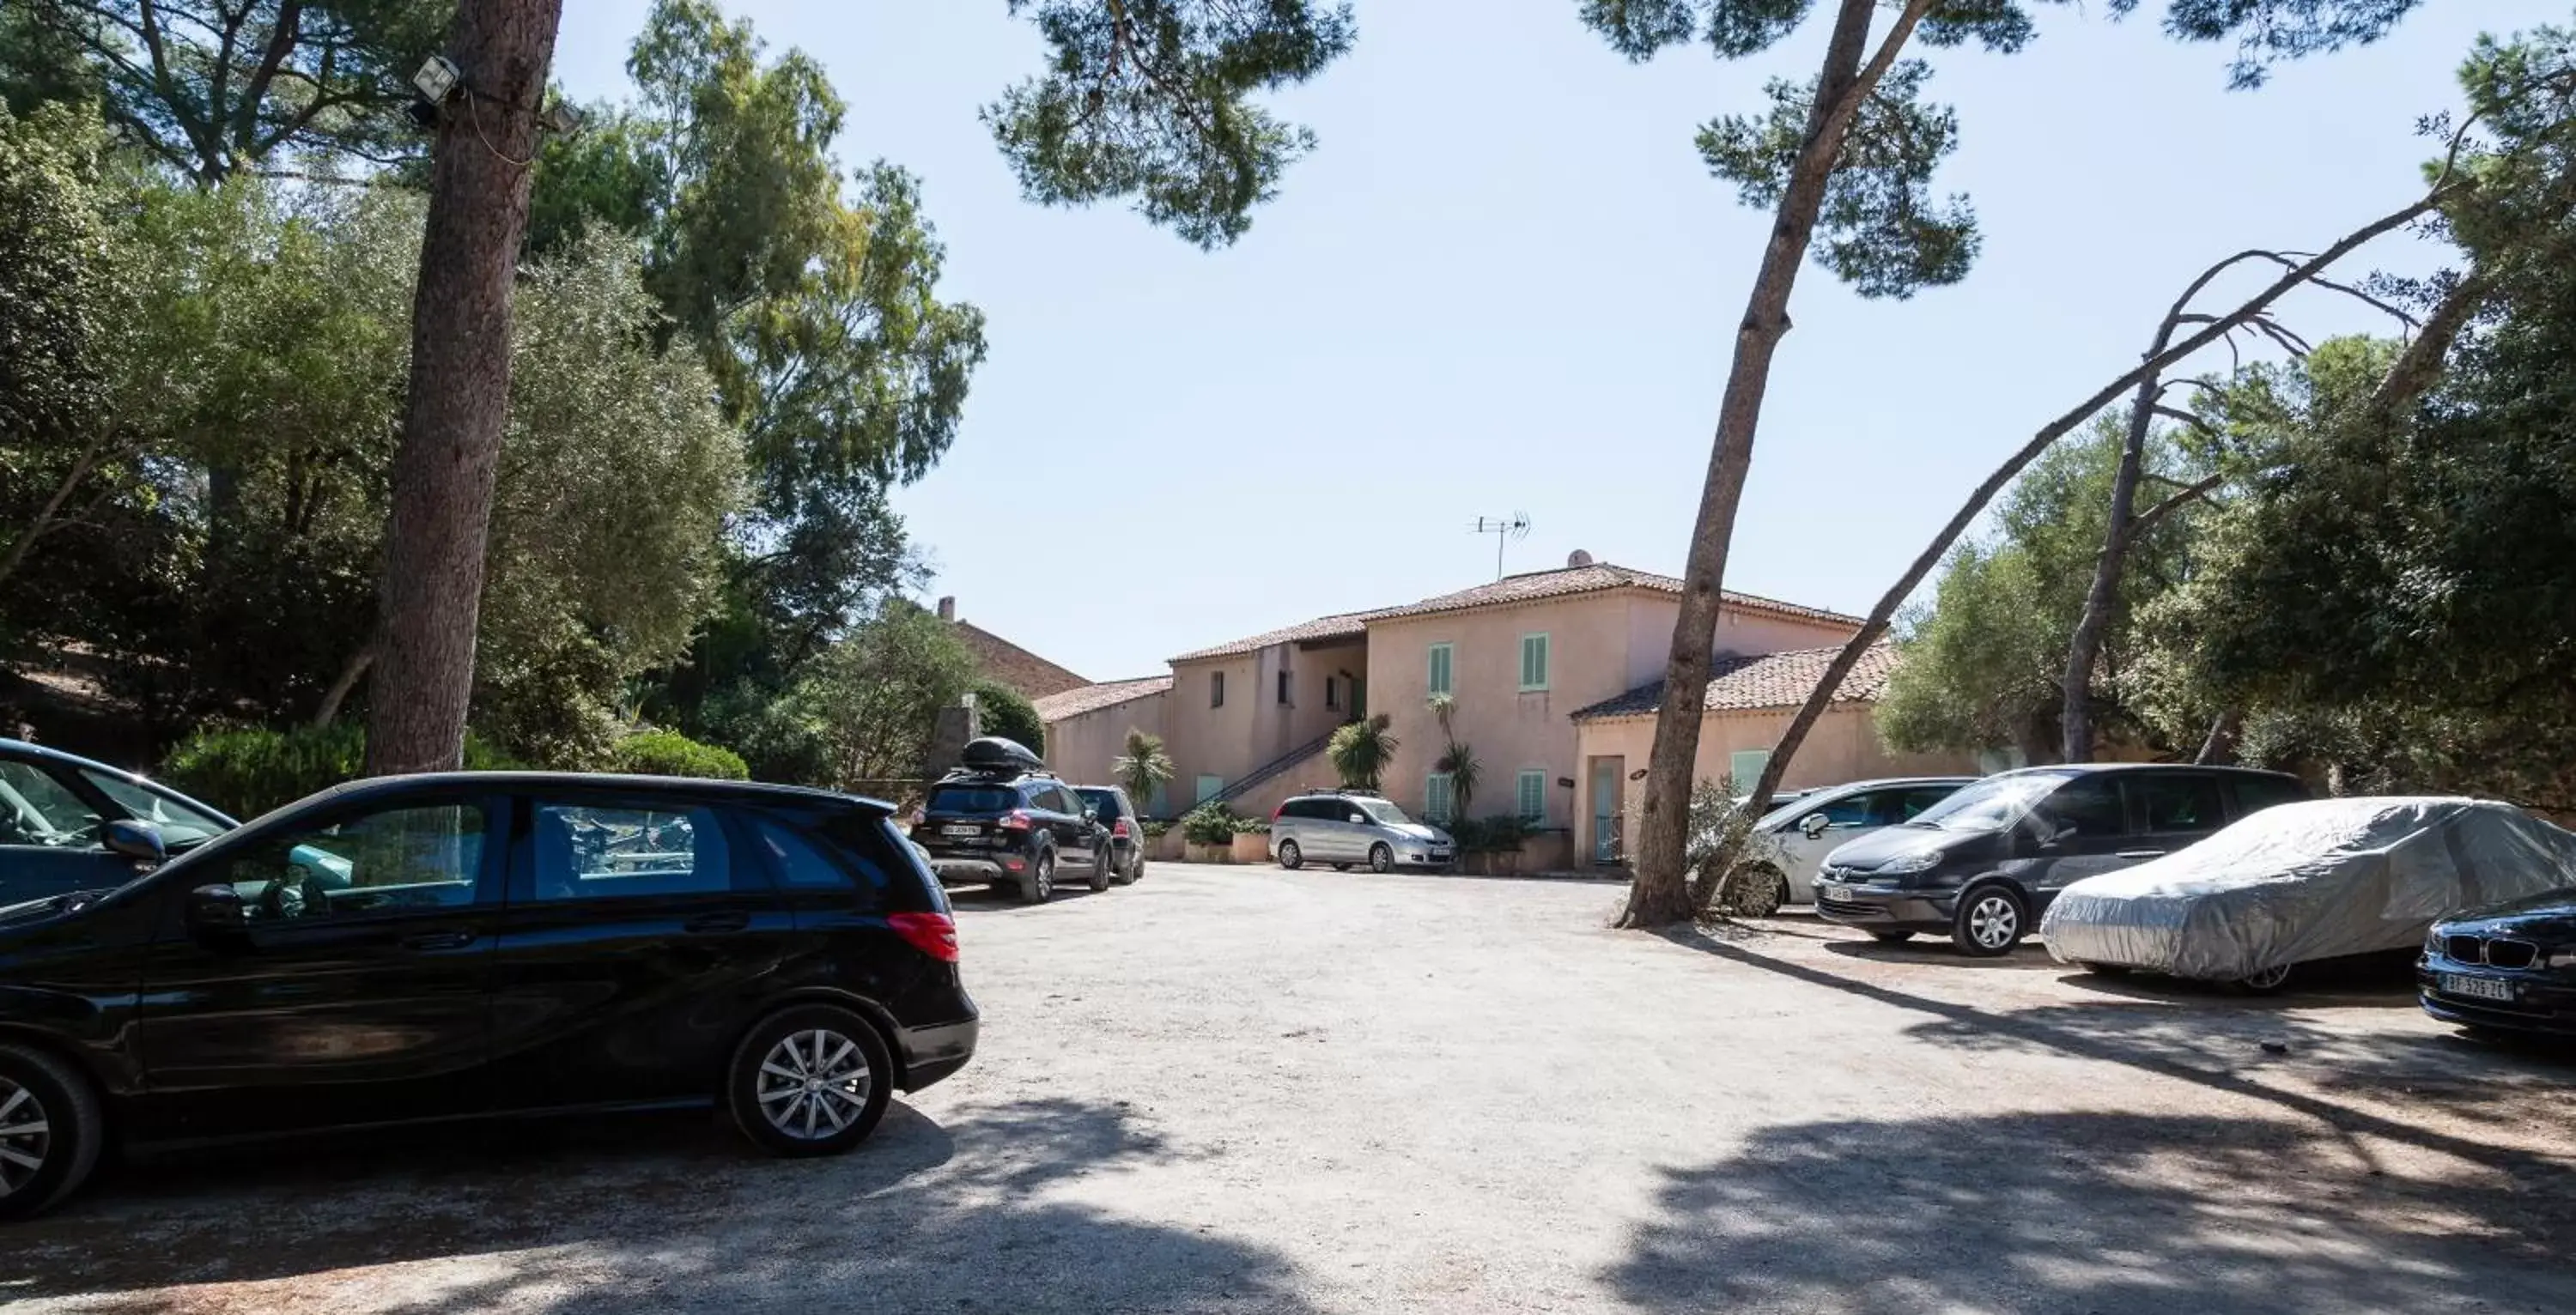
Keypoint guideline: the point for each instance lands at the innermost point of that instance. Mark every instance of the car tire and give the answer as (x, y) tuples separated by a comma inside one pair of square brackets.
[(1891, 937), (1126, 874), (1757, 891), (1990, 921), (2270, 981), (1039, 885), (59, 1124), (1381, 857), (789, 1085), (1341, 867), (1099, 871), (1290, 856)]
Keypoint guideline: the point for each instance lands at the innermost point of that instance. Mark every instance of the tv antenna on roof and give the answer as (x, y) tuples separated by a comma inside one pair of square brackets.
[(1504, 529)]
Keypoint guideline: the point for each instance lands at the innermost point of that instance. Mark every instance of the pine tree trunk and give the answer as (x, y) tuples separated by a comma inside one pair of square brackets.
[(1660, 894), (459, 403), (2084, 647)]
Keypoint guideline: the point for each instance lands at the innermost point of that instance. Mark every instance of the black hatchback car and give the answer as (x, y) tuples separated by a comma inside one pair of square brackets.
[(2509, 967), (1002, 820), (1983, 864), (435, 947)]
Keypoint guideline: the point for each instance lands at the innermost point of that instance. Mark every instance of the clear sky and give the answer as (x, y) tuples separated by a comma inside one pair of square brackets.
[(1505, 283)]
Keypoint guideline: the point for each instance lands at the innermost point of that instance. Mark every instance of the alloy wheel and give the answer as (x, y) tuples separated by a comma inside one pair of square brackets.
[(26, 1137), (2269, 979), (813, 1084), (1993, 921)]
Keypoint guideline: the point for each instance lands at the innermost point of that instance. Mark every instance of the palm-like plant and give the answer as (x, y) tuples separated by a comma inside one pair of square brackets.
[(1458, 763), (1362, 751), (1144, 768)]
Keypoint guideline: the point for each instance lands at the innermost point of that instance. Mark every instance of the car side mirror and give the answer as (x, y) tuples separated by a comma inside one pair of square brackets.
[(140, 841), (1814, 824), (217, 907)]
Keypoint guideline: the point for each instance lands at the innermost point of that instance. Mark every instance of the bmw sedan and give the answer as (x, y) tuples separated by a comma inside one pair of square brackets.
[(435, 947)]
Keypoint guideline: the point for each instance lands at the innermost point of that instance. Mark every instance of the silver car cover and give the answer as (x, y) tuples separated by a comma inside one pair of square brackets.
[(2306, 881)]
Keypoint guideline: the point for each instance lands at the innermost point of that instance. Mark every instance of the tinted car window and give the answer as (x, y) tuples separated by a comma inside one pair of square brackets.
[(1916, 800), (585, 852), (1107, 802), (179, 823), (2087, 805), (36, 809), (796, 860), (1851, 810), (2254, 793), (2178, 801), (394, 861), (973, 799)]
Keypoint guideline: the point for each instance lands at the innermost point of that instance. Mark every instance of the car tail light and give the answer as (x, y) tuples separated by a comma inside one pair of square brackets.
[(1016, 820), (1279, 812), (934, 934), (1120, 830)]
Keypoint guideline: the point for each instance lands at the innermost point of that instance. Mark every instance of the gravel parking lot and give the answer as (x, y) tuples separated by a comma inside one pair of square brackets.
[(1242, 1089)]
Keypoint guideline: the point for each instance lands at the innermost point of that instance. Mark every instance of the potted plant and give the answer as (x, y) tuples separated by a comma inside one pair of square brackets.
[(1495, 847), (1207, 833), (1163, 842), (1251, 840)]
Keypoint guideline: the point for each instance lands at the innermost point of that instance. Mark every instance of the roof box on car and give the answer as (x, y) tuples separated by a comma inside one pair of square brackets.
[(993, 753)]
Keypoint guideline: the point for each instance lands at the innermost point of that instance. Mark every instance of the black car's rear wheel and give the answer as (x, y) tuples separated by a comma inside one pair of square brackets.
[(51, 1129), (1291, 857), (810, 1080), (1989, 922), (1381, 858), (1039, 885)]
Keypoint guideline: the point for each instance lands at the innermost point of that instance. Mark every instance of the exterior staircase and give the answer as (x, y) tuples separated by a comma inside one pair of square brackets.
[(1274, 768)]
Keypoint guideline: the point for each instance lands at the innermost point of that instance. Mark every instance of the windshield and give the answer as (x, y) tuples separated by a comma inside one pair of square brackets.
[(181, 823), (1104, 801), (1387, 814), (1991, 804)]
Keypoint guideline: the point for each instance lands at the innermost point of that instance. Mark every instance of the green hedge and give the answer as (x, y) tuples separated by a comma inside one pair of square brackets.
[(1210, 823), (248, 772), (669, 753)]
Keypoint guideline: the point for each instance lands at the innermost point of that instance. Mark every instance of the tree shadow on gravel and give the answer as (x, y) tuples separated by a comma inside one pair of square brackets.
[(2103, 1213), (2228, 1049), (651, 1213)]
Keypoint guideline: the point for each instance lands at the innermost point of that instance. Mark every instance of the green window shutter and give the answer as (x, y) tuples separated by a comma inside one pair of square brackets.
[(1533, 662), (1440, 660), (1746, 765), (1533, 796), (1437, 797)]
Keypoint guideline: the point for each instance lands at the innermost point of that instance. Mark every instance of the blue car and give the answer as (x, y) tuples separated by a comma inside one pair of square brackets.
[(56, 812)]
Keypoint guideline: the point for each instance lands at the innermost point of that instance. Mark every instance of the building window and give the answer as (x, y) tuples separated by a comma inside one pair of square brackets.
[(1216, 689), (1746, 765), (1210, 787), (1530, 795), (1283, 689), (1332, 693), (1533, 662), (1440, 663), (1438, 798)]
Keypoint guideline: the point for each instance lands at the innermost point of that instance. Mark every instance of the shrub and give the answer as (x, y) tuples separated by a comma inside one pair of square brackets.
[(1252, 826), (1501, 833), (1157, 830), (250, 771), (1211, 823), (669, 753), (1002, 711)]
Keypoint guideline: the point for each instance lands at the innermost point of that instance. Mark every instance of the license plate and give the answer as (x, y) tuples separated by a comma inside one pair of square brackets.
[(961, 829), (2477, 988), (1834, 892), (1439, 856)]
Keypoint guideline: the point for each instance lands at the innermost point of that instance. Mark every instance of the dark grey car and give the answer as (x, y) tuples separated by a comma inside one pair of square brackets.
[(1983, 864)]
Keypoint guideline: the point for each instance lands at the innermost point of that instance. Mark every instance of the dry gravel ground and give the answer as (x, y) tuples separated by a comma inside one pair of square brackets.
[(1249, 1090)]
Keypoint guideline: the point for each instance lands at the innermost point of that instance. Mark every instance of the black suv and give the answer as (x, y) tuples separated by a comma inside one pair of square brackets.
[(1983, 864), (433, 947), (1111, 808), (1003, 820)]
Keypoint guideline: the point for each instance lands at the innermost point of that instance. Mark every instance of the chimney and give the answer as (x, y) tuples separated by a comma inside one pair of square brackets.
[(948, 608), (1576, 558)]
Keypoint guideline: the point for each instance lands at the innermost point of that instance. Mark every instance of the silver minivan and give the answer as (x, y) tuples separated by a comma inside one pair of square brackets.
[(1347, 829), (1793, 838)]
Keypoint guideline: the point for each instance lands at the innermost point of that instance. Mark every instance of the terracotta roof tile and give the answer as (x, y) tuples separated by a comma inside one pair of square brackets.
[(1343, 625), (1767, 680), (1092, 698), (1538, 585)]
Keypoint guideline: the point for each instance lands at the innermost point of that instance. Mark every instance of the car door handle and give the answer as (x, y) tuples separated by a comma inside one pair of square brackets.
[(429, 941), (706, 923), (2140, 853)]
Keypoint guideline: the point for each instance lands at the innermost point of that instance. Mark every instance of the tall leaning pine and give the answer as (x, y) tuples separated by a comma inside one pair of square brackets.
[(459, 403), (1856, 138)]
